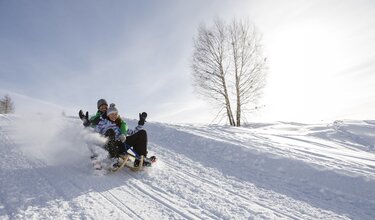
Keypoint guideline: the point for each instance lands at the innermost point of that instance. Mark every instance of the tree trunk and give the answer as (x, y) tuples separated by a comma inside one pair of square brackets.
[(238, 113), (227, 100)]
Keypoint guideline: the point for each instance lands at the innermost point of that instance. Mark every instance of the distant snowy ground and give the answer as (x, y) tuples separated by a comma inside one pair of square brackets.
[(262, 171)]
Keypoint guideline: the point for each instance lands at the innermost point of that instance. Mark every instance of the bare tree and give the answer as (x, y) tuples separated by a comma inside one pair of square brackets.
[(228, 57), (249, 65), (6, 105), (210, 65)]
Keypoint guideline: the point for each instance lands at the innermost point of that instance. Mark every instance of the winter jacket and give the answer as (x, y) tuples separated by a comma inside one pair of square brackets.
[(94, 120), (119, 126)]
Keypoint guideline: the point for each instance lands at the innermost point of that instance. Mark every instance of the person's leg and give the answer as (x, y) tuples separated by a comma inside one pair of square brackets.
[(113, 147), (139, 142), (110, 133)]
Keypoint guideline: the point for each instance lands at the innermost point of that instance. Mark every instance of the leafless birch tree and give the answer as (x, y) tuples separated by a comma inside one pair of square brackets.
[(228, 57), (210, 65)]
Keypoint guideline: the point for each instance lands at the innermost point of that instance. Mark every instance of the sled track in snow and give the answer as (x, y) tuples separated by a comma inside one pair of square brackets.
[(243, 196), (109, 197), (294, 178), (159, 197), (192, 178)]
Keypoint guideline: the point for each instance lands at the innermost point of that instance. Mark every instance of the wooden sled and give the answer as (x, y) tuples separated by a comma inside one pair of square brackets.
[(128, 161)]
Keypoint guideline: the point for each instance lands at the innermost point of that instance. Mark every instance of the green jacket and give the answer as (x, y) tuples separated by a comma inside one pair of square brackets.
[(94, 120)]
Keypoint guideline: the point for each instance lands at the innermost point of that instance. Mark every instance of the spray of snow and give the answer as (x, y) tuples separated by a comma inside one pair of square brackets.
[(53, 139)]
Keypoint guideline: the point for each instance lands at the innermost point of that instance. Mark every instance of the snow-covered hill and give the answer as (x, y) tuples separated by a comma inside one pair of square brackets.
[(262, 171)]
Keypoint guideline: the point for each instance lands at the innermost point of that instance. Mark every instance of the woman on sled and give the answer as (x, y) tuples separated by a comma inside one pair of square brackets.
[(120, 138)]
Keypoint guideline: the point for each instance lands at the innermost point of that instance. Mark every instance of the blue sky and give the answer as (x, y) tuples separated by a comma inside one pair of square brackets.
[(67, 54)]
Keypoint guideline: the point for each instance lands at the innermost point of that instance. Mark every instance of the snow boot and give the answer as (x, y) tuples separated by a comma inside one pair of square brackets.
[(112, 148), (136, 163), (147, 162)]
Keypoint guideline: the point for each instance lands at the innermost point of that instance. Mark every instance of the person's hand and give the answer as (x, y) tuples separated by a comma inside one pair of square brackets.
[(142, 118), (85, 119), (81, 115), (122, 138)]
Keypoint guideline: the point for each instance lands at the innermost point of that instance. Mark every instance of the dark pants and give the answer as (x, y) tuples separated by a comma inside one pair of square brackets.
[(138, 141)]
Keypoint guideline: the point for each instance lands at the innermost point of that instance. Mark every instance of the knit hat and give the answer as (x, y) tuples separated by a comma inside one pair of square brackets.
[(102, 102), (112, 109)]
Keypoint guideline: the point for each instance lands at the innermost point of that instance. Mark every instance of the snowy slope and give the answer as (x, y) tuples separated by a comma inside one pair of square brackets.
[(263, 171)]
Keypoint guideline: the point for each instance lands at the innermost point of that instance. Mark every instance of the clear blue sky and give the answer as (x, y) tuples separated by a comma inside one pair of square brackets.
[(68, 54)]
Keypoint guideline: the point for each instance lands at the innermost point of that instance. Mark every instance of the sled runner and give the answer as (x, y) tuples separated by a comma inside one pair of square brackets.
[(133, 161), (128, 161), (122, 162)]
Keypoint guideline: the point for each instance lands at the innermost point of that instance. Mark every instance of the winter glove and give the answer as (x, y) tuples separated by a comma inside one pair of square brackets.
[(80, 113), (86, 121), (110, 133), (122, 138), (142, 118)]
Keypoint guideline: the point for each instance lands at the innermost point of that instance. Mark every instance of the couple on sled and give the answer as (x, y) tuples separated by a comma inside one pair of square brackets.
[(108, 122)]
